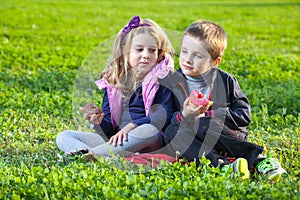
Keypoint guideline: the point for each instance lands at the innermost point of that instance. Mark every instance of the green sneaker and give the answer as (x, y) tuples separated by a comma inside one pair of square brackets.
[(272, 168), (239, 168)]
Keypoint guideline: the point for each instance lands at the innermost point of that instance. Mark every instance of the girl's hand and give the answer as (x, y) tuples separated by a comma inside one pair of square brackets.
[(118, 137), (96, 118), (92, 113)]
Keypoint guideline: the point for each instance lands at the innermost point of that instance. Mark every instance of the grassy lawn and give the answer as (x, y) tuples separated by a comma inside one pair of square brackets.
[(43, 44)]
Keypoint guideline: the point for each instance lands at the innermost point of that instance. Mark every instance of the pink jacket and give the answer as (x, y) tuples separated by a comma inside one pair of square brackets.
[(150, 86)]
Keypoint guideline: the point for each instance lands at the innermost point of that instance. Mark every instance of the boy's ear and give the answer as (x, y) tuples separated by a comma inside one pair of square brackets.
[(217, 61)]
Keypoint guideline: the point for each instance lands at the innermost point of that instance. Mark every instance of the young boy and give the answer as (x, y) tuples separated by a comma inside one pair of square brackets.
[(217, 131)]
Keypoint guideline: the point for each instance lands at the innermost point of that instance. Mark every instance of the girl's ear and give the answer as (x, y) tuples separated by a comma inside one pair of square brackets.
[(217, 61)]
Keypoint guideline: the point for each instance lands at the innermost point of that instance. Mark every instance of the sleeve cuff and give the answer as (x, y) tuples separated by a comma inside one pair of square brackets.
[(185, 120), (178, 117), (210, 113)]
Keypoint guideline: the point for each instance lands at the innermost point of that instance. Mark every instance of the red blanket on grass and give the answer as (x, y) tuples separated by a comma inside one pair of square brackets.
[(150, 159), (154, 159)]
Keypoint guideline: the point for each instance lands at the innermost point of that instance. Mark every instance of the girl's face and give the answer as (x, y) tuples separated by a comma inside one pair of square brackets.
[(194, 59), (143, 53)]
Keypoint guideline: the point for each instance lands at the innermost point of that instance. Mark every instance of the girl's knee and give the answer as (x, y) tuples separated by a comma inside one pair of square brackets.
[(62, 136), (149, 128), (145, 130)]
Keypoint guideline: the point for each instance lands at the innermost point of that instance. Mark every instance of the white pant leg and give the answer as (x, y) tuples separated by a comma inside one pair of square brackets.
[(144, 138), (72, 141)]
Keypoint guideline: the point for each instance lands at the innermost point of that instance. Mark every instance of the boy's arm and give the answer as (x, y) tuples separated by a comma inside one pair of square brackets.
[(237, 114)]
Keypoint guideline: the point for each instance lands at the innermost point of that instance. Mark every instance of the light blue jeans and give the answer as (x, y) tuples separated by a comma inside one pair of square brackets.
[(142, 139)]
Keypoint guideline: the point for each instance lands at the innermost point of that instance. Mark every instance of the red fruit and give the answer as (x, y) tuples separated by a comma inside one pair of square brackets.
[(198, 99)]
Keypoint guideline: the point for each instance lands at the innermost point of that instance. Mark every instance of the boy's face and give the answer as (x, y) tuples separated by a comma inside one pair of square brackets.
[(194, 59)]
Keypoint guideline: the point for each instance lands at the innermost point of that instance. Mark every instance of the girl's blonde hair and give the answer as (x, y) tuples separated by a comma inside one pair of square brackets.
[(213, 34), (118, 73)]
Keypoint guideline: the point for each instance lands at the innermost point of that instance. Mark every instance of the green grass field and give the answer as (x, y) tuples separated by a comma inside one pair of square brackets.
[(44, 43)]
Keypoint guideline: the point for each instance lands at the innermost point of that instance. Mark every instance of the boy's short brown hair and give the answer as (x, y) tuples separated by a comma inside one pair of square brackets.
[(213, 34)]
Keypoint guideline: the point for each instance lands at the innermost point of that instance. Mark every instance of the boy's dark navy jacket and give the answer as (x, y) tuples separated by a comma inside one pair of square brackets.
[(230, 104), (223, 129)]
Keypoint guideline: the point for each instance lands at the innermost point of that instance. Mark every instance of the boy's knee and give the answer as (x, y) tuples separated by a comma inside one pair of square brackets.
[(170, 132)]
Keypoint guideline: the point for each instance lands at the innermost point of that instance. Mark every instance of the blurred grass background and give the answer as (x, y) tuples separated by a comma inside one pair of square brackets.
[(44, 43)]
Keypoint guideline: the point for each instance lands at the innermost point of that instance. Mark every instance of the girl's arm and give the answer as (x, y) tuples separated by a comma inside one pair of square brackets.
[(106, 124), (161, 110)]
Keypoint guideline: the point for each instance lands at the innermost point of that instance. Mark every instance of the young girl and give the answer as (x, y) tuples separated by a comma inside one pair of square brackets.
[(136, 108)]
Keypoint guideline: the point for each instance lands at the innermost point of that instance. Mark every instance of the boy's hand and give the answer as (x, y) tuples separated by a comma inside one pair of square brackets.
[(191, 111), (203, 109), (92, 113)]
